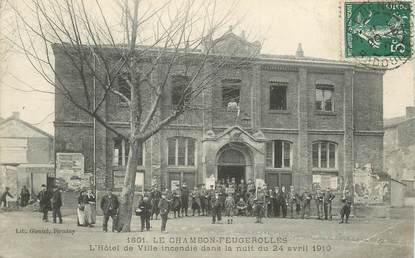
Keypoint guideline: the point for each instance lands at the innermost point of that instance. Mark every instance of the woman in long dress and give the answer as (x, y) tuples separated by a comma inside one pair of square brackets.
[(90, 210), (82, 201)]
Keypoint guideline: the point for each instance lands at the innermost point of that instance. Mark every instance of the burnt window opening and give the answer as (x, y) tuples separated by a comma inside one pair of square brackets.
[(123, 87), (231, 92), (324, 98), (278, 96), (180, 94)]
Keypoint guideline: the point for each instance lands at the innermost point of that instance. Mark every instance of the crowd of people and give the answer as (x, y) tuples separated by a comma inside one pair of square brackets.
[(231, 199), (226, 198)]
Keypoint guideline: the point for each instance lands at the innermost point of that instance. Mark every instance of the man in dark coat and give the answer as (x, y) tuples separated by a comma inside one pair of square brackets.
[(294, 203), (209, 194), (282, 200), (195, 201), (109, 206), (327, 201), (260, 204), (185, 199), (319, 202), (155, 196), (56, 204), (306, 203), (164, 211), (347, 203), (276, 201), (176, 202), (203, 199), (44, 202), (241, 190), (268, 201), (145, 213), (216, 207), (24, 196)]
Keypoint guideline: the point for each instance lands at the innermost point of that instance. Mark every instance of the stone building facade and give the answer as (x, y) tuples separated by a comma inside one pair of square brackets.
[(289, 120), (26, 156), (399, 148)]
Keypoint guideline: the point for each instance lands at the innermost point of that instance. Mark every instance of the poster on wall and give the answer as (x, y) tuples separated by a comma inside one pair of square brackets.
[(325, 181), (368, 189), (69, 171), (317, 179), (361, 182)]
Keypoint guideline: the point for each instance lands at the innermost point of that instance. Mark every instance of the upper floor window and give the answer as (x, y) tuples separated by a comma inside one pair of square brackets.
[(324, 154), (324, 97), (121, 151), (278, 154), (180, 92), (123, 87), (278, 96), (181, 151), (231, 92)]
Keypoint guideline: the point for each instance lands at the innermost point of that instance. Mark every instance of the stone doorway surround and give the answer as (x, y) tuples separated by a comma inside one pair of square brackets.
[(251, 146)]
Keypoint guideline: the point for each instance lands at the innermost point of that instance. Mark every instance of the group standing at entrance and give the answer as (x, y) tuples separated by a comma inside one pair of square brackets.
[(226, 198)]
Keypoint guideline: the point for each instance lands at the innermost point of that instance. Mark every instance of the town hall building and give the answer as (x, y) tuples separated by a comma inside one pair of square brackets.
[(285, 119)]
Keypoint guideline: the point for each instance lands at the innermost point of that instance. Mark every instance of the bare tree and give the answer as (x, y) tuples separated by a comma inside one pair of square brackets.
[(4, 46), (153, 38)]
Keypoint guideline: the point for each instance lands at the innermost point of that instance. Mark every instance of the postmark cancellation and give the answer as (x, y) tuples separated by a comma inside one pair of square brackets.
[(378, 33)]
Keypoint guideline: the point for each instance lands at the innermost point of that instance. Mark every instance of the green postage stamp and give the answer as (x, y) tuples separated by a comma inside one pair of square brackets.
[(378, 29)]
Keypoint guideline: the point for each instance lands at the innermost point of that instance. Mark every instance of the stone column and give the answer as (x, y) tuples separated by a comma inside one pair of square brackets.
[(256, 97), (348, 156), (208, 103), (303, 176), (259, 159), (209, 166)]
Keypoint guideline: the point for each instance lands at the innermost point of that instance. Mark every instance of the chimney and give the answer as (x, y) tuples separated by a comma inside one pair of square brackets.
[(243, 36), (410, 112), (16, 115), (299, 52)]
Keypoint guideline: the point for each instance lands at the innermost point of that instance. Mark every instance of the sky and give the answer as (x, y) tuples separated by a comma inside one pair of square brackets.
[(279, 24)]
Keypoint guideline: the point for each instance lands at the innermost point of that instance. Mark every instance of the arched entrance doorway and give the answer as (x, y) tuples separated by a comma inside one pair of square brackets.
[(233, 161)]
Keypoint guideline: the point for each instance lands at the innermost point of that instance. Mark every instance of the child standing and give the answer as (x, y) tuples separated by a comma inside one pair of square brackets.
[(229, 208), (241, 206)]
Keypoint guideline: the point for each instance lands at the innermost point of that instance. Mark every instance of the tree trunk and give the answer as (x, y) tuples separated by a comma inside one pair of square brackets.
[(127, 195)]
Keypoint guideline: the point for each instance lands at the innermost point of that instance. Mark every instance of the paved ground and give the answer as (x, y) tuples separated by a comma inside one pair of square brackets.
[(302, 238)]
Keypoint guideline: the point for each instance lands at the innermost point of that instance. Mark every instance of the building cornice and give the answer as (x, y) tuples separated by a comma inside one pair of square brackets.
[(279, 130), (326, 132), (369, 133), (198, 127)]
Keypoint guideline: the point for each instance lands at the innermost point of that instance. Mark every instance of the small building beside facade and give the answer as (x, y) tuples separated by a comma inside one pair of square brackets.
[(285, 119), (26, 155), (399, 142)]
